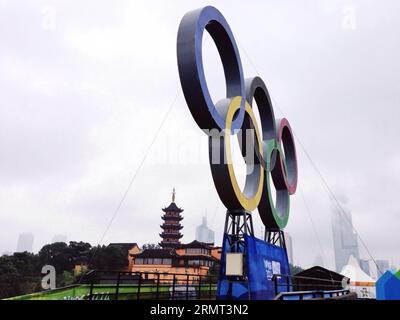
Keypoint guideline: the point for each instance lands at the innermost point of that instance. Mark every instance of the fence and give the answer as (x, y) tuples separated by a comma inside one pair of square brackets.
[(315, 288), (117, 285)]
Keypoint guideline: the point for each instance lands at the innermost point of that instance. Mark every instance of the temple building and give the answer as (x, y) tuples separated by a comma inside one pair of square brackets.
[(171, 227), (194, 258)]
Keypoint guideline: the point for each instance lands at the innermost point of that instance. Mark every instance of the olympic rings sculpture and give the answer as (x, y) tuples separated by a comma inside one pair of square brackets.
[(273, 148)]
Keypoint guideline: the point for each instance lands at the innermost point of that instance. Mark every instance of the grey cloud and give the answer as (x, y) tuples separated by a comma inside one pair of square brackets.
[(82, 100)]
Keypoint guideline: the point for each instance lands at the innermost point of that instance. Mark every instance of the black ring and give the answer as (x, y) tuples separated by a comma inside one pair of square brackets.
[(191, 71), (257, 90)]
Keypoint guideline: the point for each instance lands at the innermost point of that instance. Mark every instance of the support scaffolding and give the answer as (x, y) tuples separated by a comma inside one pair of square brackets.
[(238, 224), (275, 237)]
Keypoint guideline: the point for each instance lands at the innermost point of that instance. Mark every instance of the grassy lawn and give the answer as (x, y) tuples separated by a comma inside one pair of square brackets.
[(125, 292)]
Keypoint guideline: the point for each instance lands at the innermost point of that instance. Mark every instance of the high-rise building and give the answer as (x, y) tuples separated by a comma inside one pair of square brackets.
[(345, 240), (171, 227), (25, 242), (383, 266), (59, 238), (204, 233), (373, 270), (364, 264), (289, 247)]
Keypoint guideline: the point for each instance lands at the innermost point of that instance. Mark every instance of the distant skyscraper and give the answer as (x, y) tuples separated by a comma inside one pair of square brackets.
[(383, 266), (344, 239), (204, 233), (289, 247), (25, 242), (364, 264), (373, 270), (59, 238)]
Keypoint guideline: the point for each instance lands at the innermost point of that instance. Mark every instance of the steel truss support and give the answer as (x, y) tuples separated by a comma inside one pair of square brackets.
[(275, 237), (237, 225)]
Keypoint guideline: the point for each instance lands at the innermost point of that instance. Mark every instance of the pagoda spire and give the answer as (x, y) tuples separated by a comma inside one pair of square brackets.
[(170, 235)]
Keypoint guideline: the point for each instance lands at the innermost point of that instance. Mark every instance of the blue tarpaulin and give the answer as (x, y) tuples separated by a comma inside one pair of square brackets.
[(261, 261)]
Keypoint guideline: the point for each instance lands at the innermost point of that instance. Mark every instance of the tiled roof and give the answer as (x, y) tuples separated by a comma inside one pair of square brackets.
[(195, 244), (155, 253), (172, 208)]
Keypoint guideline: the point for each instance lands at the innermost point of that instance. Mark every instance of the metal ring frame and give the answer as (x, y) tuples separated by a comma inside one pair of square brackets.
[(273, 152)]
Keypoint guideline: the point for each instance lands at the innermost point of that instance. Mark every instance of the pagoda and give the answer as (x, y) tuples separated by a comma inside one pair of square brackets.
[(171, 227)]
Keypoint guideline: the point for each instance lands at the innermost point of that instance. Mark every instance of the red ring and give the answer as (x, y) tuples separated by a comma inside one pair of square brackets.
[(286, 139)]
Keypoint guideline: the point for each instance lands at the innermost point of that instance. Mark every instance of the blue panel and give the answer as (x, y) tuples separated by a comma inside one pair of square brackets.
[(261, 260), (264, 260), (228, 289)]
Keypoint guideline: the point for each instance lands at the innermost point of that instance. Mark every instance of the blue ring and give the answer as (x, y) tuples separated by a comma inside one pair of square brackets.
[(191, 71)]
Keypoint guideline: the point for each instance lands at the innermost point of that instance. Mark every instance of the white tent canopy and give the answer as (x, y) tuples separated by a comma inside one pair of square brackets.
[(360, 282)]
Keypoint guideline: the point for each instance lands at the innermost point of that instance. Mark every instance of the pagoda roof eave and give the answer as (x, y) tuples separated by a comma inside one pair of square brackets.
[(177, 218), (172, 208), (171, 226), (171, 235)]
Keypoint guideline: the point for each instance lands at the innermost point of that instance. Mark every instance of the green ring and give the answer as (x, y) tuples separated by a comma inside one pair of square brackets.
[(279, 218)]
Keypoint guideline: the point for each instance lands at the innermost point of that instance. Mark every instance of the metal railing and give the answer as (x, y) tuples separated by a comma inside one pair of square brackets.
[(313, 294), (117, 285), (301, 287)]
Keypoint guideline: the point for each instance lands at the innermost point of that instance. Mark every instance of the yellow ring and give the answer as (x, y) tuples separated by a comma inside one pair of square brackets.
[(248, 201)]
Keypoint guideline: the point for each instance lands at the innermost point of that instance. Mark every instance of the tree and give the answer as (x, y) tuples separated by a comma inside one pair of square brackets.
[(58, 255), (151, 246), (62, 256), (295, 269), (80, 249), (108, 258), (19, 274), (9, 277), (67, 278)]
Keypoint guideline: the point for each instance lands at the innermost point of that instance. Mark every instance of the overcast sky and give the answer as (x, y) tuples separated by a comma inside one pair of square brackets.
[(86, 85)]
